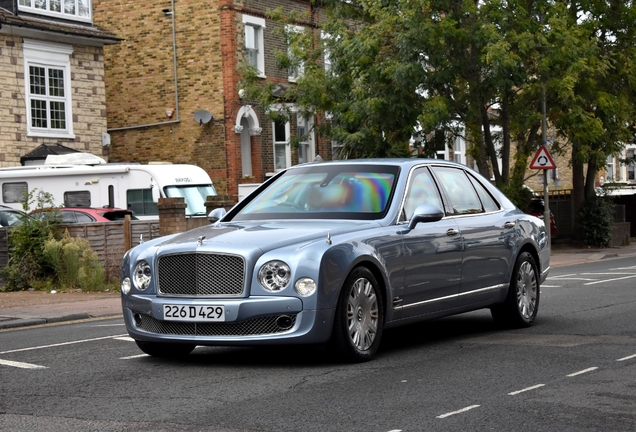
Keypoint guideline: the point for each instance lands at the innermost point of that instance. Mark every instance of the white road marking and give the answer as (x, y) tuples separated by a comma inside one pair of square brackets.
[(627, 358), (562, 276), (21, 365), (134, 356), (125, 338), (625, 268), (62, 344), (526, 389), (583, 371), (611, 273), (610, 280), (575, 278), (396, 430), (458, 412), (550, 286)]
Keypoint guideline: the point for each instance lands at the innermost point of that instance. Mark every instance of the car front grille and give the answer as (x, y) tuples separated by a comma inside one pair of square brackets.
[(201, 274), (255, 326)]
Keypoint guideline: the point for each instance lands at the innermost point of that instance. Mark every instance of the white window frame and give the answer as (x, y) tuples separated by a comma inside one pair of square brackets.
[(285, 143), (43, 7), (610, 171), (294, 73), (326, 55), (258, 25), (49, 56), (624, 168), (309, 143)]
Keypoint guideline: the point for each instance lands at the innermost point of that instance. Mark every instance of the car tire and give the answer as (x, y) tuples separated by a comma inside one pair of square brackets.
[(359, 318), (522, 303), (171, 350)]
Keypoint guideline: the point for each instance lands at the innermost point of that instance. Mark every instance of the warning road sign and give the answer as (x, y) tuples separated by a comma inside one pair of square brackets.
[(542, 160)]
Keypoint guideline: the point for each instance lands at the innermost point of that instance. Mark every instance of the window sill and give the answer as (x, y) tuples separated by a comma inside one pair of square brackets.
[(51, 135)]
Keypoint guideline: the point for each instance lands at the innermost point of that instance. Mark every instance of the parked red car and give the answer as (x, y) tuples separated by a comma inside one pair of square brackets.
[(89, 214), (537, 208)]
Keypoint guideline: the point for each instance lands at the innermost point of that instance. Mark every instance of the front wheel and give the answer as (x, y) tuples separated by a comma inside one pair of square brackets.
[(359, 317), (522, 303), (159, 349)]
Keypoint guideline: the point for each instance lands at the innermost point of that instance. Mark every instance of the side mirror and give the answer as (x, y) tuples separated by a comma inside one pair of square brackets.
[(216, 214), (155, 192), (425, 213)]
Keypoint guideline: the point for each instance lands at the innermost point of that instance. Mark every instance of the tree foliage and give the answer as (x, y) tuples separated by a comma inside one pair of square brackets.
[(417, 71)]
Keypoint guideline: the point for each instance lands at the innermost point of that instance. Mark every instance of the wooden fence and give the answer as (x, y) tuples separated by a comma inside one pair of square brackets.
[(106, 239)]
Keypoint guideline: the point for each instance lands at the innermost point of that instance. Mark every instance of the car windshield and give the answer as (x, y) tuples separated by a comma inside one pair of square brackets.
[(195, 197), (334, 191)]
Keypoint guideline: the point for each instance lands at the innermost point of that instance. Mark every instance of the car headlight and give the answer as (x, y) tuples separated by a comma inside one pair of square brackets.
[(274, 275), (125, 285), (142, 275), (305, 286)]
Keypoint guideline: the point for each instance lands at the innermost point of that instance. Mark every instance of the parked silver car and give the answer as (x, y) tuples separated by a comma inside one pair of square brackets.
[(335, 252)]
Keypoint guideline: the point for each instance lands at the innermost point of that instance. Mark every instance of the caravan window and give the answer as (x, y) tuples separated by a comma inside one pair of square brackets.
[(14, 192), (194, 196), (77, 199), (140, 202)]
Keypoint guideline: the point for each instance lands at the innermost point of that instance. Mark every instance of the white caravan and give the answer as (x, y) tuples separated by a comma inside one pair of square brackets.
[(132, 186)]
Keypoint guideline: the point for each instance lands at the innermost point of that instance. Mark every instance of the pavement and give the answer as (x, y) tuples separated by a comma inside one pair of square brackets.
[(110, 307)]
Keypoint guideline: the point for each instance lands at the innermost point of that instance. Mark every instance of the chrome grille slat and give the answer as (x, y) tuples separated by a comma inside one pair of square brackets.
[(254, 326), (201, 274)]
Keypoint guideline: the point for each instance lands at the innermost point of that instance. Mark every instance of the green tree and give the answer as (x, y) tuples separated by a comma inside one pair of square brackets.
[(426, 69)]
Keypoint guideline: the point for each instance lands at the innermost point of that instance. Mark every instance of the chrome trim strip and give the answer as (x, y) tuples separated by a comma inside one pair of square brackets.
[(481, 290)]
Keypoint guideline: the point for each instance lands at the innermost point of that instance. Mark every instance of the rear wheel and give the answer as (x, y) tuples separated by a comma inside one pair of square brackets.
[(158, 349), (359, 317), (522, 303)]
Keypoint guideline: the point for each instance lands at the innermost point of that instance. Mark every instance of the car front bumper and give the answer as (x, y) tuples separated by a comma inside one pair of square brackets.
[(248, 321)]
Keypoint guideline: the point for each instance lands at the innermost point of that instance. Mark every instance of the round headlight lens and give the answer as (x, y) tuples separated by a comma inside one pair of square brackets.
[(305, 286), (274, 275), (142, 275), (125, 285)]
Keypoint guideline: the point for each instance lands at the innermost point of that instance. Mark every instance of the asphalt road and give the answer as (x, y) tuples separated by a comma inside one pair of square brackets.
[(575, 370)]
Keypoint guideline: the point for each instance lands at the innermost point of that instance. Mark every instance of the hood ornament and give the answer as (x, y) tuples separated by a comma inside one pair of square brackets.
[(200, 240), (329, 238), (141, 239)]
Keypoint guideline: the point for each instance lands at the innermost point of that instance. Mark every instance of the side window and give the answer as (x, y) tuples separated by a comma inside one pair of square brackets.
[(47, 71), (460, 191), (490, 205), (140, 202), (77, 199), (254, 43), (14, 192), (422, 190), (68, 217), (83, 217)]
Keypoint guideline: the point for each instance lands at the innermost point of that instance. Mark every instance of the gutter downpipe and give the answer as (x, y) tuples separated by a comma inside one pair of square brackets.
[(176, 84)]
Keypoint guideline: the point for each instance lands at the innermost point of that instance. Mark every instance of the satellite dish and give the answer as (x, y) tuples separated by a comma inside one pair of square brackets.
[(202, 117)]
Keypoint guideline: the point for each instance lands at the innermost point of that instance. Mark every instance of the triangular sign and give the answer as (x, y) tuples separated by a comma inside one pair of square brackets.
[(542, 160)]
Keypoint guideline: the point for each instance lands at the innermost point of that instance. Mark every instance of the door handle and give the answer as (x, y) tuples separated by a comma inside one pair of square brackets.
[(452, 232), (509, 225)]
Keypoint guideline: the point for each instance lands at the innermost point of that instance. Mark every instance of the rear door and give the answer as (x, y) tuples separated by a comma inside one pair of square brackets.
[(486, 234)]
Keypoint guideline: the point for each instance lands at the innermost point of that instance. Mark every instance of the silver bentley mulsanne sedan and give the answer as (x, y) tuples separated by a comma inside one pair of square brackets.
[(333, 253)]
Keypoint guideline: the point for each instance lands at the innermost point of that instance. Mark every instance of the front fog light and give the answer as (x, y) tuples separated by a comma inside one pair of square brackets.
[(142, 275), (305, 286), (274, 275), (125, 285)]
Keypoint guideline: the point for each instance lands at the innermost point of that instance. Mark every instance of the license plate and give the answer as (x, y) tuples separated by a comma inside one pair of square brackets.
[(193, 313)]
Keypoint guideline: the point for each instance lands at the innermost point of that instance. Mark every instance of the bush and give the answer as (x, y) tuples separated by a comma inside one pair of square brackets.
[(26, 259), (39, 259), (595, 220), (74, 262)]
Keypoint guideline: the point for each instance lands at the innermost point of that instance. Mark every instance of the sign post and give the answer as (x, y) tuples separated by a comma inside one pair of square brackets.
[(543, 161)]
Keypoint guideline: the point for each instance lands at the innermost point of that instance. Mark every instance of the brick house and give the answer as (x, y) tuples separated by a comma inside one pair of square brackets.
[(52, 90), (172, 87)]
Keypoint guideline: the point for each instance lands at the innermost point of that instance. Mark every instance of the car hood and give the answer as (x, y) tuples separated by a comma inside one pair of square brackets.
[(264, 235)]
